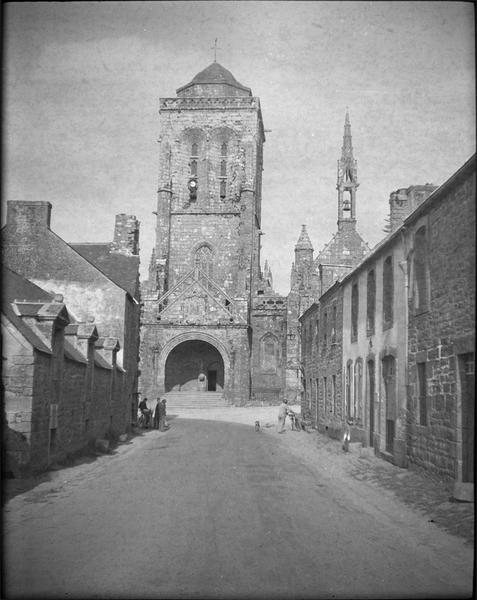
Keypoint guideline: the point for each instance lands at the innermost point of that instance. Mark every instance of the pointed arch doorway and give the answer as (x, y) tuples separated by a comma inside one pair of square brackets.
[(194, 365)]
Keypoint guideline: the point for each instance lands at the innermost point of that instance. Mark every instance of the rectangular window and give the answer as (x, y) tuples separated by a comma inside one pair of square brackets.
[(325, 328), (422, 389), (388, 293), (333, 325), (371, 302), (53, 434), (349, 369), (316, 401), (333, 393), (325, 395)]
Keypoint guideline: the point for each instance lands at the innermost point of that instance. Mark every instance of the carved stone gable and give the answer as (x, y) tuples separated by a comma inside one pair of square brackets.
[(196, 299)]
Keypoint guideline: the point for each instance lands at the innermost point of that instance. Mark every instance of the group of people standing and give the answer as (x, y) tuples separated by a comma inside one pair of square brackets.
[(154, 417)]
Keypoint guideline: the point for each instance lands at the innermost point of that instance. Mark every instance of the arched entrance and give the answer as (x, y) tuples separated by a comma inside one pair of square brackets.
[(194, 365)]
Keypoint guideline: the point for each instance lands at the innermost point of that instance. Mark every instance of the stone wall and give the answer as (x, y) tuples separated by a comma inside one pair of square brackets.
[(232, 342), (71, 410), (321, 335), (444, 331), (31, 249), (268, 322), (209, 123)]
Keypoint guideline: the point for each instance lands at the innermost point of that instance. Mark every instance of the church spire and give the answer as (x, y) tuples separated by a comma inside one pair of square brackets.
[(347, 182), (347, 149)]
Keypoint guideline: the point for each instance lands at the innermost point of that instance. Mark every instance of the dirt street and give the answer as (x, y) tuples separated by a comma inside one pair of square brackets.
[(213, 509)]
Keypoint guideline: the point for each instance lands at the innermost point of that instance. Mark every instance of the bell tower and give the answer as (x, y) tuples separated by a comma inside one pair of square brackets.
[(347, 182), (206, 261)]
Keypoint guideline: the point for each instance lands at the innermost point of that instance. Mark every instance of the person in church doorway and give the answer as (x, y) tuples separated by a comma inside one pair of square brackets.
[(282, 415)]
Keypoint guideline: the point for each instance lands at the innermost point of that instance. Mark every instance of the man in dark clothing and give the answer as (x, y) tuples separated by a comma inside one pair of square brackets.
[(145, 411), (157, 413)]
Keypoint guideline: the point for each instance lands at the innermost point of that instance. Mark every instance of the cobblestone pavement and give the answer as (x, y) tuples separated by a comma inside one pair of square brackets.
[(413, 486)]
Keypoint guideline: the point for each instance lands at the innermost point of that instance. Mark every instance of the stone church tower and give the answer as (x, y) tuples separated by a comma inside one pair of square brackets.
[(197, 332), (347, 247)]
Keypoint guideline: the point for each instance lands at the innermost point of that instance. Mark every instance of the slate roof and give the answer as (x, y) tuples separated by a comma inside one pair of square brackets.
[(101, 362), (121, 269), (215, 74), (73, 353), (16, 287)]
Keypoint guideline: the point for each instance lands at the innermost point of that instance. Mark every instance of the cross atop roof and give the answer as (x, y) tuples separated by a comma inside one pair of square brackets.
[(215, 48)]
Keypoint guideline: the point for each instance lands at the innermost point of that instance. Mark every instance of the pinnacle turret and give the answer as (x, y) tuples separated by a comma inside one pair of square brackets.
[(303, 242)]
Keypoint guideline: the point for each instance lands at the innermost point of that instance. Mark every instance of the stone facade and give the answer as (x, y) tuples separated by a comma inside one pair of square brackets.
[(440, 237), (321, 340), (374, 350), (404, 201), (405, 340), (205, 282), (59, 392), (97, 280)]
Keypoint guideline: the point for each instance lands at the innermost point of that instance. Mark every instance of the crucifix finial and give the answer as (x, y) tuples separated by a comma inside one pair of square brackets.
[(215, 48)]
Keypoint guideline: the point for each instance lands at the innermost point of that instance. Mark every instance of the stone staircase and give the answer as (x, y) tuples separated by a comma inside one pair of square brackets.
[(194, 400)]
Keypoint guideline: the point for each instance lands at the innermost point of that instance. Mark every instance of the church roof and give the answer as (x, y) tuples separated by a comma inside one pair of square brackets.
[(215, 74), (304, 242)]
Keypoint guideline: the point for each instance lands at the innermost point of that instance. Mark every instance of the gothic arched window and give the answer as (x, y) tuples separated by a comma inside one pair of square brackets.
[(354, 312), (268, 352), (204, 259)]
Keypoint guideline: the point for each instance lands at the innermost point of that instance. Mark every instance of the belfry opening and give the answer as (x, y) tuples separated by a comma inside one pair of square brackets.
[(194, 365)]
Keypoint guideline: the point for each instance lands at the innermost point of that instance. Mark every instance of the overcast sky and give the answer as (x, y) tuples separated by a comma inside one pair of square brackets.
[(83, 81)]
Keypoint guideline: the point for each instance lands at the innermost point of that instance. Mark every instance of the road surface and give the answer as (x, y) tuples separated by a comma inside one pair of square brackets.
[(215, 510)]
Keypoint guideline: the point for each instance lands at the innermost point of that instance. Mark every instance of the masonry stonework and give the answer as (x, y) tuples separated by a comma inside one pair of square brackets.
[(205, 273), (442, 332)]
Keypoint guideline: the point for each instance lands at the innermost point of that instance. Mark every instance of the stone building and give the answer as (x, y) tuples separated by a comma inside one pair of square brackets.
[(321, 351), (97, 280), (62, 386), (375, 351), (406, 336), (312, 276), (404, 201), (210, 322), (440, 245)]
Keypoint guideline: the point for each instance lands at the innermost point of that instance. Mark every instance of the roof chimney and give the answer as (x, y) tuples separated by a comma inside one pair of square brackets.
[(27, 216), (126, 235)]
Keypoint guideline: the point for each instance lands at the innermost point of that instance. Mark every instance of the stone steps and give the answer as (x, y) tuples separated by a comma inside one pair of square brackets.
[(195, 400)]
